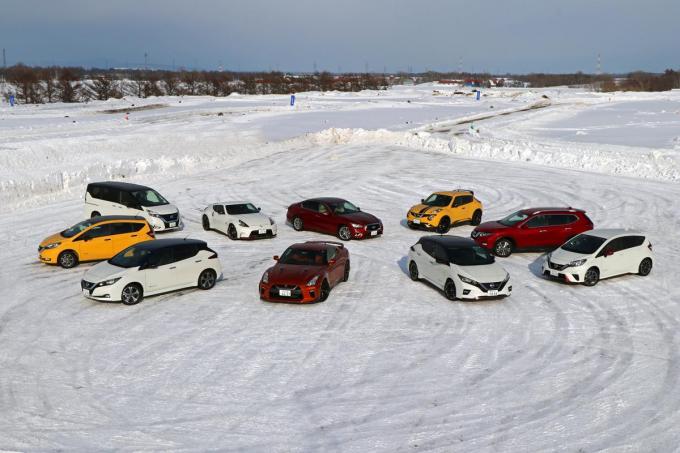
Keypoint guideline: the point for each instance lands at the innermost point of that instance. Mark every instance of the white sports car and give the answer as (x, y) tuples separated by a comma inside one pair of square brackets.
[(238, 220)]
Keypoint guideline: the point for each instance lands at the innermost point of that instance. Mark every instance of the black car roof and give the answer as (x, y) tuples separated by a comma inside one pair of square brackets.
[(449, 241), (106, 218), (162, 243), (330, 200), (119, 185)]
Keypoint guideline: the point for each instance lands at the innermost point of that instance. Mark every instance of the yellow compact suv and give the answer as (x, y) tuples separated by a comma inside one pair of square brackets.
[(442, 210), (98, 238)]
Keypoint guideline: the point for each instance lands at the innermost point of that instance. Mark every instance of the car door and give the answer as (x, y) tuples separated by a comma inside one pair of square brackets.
[(328, 222), (563, 225), (607, 260), (310, 215), (460, 209), (187, 265), (95, 243), (159, 271), (627, 254), (336, 264), (534, 234), (123, 235), (128, 205), (219, 219), (428, 261), (440, 269)]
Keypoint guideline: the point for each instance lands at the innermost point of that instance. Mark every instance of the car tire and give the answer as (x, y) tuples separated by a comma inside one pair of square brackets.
[(345, 275), (132, 294), (444, 225), (206, 223), (95, 214), (413, 271), (476, 218), (591, 277), (298, 224), (231, 232), (645, 267), (344, 233), (325, 291), (67, 259), (503, 247), (450, 290), (207, 279)]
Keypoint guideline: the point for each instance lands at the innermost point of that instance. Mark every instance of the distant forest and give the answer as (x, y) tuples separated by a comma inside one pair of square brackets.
[(36, 85)]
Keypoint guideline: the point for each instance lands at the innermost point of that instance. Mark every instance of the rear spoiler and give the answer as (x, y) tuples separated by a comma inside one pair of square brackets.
[(464, 190), (339, 244)]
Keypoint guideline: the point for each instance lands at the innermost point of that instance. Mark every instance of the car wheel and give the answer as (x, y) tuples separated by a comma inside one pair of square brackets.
[(95, 214), (476, 217), (206, 223), (325, 291), (67, 260), (502, 248), (450, 290), (231, 232), (207, 279), (298, 225), (345, 276), (645, 267), (132, 294), (413, 271), (344, 233), (592, 277), (444, 225)]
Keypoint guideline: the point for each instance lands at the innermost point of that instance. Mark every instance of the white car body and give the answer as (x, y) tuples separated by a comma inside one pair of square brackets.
[(182, 273), (620, 253), (488, 280), (246, 226)]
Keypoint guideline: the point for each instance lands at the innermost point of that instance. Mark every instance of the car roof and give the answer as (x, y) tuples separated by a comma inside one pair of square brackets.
[(449, 241), (327, 200), (315, 245), (550, 210), (230, 203), (107, 218), (162, 243), (608, 233), (455, 192), (119, 185)]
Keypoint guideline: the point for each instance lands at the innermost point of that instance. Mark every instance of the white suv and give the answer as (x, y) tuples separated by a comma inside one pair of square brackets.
[(152, 267), (599, 254), (238, 220), (458, 266), (122, 198)]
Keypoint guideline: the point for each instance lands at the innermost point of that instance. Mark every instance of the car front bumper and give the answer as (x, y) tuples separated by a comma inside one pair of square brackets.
[(160, 224), (49, 256), (299, 294), (256, 232), (471, 292), (365, 233), (568, 274), (109, 293)]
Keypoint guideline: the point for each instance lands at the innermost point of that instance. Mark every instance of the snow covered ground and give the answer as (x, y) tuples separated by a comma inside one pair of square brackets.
[(385, 364)]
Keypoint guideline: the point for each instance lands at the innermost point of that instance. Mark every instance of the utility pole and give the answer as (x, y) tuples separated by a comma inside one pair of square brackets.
[(460, 65), (146, 60), (4, 59), (599, 65)]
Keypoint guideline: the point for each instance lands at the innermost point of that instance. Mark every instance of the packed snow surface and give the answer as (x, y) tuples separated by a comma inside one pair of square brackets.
[(386, 364)]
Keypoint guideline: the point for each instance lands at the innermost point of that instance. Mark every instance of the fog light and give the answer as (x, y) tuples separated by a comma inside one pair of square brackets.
[(106, 296), (466, 292), (509, 288), (575, 277)]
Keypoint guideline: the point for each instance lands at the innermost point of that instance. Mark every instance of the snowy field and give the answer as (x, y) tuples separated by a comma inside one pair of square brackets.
[(386, 364)]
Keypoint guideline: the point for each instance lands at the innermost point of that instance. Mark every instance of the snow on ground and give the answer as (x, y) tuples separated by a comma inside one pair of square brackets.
[(385, 364)]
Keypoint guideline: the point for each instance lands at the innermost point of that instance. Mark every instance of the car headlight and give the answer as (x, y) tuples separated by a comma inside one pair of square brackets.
[(271, 221), (265, 277), (577, 263), (242, 223), (52, 245), (313, 281), (469, 281), (107, 282), (153, 214), (481, 234), (357, 226)]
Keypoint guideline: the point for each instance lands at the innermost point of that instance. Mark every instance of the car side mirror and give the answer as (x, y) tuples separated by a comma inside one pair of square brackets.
[(276, 257), (358, 208), (608, 252), (422, 200), (147, 266), (259, 209)]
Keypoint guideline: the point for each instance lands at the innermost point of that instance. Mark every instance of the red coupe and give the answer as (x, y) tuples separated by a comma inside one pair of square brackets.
[(306, 273), (334, 216)]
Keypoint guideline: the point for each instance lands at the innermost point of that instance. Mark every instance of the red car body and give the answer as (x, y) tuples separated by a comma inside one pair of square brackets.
[(332, 216), (305, 273), (531, 229)]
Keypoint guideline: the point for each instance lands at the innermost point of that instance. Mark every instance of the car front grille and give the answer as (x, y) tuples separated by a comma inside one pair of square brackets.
[(492, 286), (295, 292), (256, 234), (373, 226), (557, 267), (170, 217)]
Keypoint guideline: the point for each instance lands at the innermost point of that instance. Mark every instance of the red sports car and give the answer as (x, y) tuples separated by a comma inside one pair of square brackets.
[(531, 229), (306, 273), (334, 216)]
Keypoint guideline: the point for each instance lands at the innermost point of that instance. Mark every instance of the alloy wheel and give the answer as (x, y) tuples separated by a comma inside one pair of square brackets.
[(645, 267), (503, 248), (413, 271), (207, 279), (131, 295), (344, 233), (297, 224), (591, 278), (450, 290)]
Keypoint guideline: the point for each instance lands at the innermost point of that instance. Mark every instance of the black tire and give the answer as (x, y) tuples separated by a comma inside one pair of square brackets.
[(411, 225), (325, 291), (95, 214), (591, 277), (67, 259), (503, 247), (476, 217), (645, 267), (344, 233), (231, 232), (298, 224), (132, 294), (207, 279), (413, 271), (444, 225), (345, 275), (450, 290), (206, 223)]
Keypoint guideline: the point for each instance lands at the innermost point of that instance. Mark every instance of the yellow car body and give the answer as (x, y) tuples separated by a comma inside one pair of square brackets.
[(443, 210), (94, 239)]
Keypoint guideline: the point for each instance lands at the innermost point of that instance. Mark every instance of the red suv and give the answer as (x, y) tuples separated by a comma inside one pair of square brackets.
[(334, 216), (531, 229)]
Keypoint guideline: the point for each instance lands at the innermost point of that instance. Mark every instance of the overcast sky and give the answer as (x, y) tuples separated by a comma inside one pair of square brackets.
[(346, 35)]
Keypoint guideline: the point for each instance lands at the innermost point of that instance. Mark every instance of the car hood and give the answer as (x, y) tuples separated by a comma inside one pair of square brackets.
[(292, 274), (255, 219), (561, 256), (57, 237), (104, 271), (425, 209), (491, 226), (486, 273), (363, 218), (162, 209)]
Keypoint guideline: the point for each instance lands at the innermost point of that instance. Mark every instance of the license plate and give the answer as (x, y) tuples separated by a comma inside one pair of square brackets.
[(285, 292), (374, 233), (262, 231), (493, 293), (416, 220), (172, 224)]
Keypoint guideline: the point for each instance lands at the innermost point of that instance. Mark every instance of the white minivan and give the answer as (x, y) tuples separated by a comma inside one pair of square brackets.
[(122, 198)]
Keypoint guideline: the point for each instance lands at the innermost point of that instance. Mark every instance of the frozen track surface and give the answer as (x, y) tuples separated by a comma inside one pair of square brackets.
[(385, 364)]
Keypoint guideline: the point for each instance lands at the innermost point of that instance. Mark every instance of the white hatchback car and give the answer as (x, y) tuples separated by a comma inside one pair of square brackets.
[(238, 220), (152, 267), (458, 266), (599, 254)]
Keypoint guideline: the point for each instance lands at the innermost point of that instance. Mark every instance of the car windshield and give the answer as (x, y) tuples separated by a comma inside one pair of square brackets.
[(303, 257), (133, 256), (238, 209), (149, 197), (513, 218), (437, 200), (344, 207), (584, 244), (470, 256), (77, 228)]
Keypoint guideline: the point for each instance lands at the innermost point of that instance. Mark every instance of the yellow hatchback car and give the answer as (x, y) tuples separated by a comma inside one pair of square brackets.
[(443, 210), (98, 238)]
